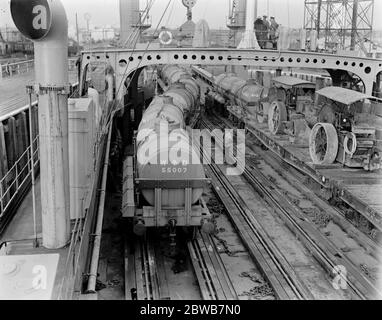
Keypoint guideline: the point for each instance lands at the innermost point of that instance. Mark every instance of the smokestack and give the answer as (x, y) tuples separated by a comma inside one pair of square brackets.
[(249, 40), (130, 19)]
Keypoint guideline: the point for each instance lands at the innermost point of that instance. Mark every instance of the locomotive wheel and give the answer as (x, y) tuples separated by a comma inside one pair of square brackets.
[(323, 144), (276, 116)]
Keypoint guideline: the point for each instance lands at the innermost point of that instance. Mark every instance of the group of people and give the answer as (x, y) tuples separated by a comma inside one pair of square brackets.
[(267, 32)]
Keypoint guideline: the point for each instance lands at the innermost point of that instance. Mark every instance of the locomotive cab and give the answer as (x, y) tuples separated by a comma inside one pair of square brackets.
[(291, 105), (348, 129)]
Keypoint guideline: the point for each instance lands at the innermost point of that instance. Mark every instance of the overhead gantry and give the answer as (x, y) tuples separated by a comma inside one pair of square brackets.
[(126, 61)]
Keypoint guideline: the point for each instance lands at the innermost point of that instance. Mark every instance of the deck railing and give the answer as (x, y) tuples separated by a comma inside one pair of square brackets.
[(16, 179), (12, 69), (18, 176)]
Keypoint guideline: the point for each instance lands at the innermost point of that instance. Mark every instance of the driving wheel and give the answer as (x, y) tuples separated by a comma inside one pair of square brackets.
[(323, 144), (276, 116)]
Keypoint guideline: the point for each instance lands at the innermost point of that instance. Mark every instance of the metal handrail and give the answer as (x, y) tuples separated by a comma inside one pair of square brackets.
[(10, 69), (74, 87), (19, 174)]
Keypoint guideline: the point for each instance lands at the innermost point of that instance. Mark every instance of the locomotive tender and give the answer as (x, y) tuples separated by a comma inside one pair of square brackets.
[(163, 186)]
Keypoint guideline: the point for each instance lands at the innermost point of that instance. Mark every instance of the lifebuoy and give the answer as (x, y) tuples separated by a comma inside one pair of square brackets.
[(163, 34)]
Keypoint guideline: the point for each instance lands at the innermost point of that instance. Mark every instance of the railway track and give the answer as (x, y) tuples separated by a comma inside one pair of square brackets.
[(147, 278), (213, 279), (144, 272), (298, 179), (269, 260), (322, 249)]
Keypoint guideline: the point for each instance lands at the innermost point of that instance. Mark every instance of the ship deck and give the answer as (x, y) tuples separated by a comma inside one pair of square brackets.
[(18, 241)]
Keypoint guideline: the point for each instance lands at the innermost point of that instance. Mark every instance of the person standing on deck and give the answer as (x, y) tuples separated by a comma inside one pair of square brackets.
[(273, 32), (267, 27)]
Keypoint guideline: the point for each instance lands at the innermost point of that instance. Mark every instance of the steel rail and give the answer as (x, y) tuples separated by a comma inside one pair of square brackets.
[(291, 214), (291, 282)]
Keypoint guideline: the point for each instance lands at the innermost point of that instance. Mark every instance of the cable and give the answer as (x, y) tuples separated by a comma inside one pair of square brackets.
[(132, 52), (170, 14), (147, 47), (139, 23)]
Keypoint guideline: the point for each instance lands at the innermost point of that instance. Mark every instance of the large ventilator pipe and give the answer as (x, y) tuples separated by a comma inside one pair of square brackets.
[(51, 69), (46, 24)]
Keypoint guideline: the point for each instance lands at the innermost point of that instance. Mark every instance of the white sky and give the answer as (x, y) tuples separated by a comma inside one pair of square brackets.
[(215, 12)]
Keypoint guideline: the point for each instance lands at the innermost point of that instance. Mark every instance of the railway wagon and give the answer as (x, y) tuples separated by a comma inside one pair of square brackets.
[(163, 183)]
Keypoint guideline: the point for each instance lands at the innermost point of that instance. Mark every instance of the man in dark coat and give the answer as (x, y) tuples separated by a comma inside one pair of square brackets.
[(273, 32)]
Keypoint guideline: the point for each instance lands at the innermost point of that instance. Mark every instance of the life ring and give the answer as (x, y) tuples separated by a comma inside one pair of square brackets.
[(352, 137), (163, 34)]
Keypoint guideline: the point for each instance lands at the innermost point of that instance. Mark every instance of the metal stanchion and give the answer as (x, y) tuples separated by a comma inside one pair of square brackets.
[(36, 244)]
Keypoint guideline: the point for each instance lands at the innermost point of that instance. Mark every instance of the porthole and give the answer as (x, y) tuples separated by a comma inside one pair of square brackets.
[(122, 63)]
